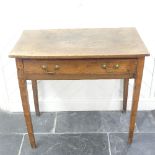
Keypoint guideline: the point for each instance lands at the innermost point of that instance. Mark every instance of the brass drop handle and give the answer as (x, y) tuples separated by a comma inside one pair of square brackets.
[(110, 69), (45, 68)]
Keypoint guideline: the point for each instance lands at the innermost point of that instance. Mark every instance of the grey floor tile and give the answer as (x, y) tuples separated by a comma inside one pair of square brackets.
[(93, 121), (10, 144), (15, 122), (146, 121), (68, 144), (143, 144)]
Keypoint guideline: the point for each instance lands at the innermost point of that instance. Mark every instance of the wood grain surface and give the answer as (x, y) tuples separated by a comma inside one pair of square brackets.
[(80, 43)]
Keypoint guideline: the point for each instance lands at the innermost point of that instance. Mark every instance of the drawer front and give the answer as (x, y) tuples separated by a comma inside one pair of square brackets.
[(80, 67)]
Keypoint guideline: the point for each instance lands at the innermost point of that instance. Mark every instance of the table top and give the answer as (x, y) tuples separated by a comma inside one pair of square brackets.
[(80, 43)]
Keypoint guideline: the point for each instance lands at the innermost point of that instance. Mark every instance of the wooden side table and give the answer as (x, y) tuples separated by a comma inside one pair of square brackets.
[(76, 54)]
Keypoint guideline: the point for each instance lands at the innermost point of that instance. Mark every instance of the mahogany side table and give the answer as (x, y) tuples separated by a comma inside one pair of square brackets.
[(76, 54)]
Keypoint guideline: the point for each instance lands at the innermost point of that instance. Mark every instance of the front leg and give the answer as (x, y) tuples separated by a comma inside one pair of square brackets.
[(25, 102), (26, 109), (136, 93)]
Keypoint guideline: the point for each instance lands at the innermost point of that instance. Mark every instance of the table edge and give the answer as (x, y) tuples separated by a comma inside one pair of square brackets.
[(78, 56)]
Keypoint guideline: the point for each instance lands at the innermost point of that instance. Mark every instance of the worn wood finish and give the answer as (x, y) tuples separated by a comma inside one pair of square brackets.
[(80, 43), (35, 96), (25, 102), (125, 93), (77, 54), (136, 93)]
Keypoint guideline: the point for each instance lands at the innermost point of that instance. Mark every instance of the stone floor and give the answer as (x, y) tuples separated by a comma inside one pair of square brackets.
[(78, 133)]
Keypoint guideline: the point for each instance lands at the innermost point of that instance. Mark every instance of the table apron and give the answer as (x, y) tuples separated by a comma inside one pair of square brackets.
[(75, 77)]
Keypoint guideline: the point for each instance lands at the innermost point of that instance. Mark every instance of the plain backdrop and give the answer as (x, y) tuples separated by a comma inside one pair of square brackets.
[(17, 15)]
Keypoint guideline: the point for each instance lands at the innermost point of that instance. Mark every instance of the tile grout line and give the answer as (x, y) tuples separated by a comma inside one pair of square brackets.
[(137, 127), (77, 133), (55, 121), (19, 152), (109, 144)]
